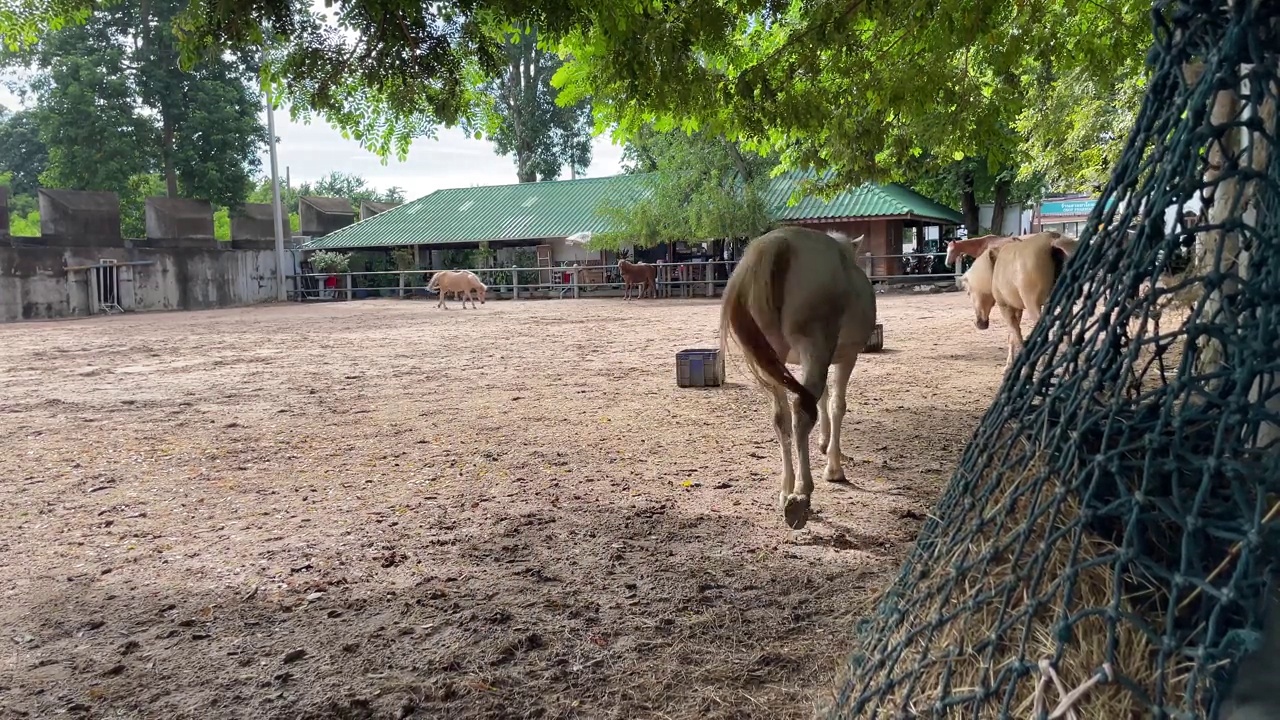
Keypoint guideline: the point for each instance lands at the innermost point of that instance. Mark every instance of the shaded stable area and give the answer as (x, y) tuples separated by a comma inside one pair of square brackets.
[(529, 225), (82, 265), (305, 511)]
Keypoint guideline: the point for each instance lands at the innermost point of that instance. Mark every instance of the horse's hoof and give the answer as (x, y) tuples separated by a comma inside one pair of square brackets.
[(796, 511), (835, 476)]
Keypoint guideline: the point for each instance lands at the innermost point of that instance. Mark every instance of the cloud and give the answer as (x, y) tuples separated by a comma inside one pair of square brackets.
[(312, 150)]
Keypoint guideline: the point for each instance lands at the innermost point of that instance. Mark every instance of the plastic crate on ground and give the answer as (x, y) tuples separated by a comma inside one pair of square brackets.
[(699, 367)]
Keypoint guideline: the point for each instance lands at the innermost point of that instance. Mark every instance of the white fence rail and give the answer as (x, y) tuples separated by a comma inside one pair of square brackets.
[(680, 279)]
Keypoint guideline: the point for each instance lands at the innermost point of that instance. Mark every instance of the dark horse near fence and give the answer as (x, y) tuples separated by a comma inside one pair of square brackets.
[(642, 274)]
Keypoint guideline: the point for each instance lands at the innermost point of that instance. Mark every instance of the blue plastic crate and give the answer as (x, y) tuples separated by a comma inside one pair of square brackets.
[(699, 367)]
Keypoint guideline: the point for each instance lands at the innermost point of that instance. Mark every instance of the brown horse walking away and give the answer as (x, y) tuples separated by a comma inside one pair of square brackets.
[(642, 274), (1017, 277), (798, 296)]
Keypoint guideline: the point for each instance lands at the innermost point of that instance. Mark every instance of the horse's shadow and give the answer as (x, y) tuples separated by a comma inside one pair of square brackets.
[(844, 537)]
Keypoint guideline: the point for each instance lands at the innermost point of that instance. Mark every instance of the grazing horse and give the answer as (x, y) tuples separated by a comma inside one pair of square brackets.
[(798, 296), (1017, 277), (463, 282), (642, 274)]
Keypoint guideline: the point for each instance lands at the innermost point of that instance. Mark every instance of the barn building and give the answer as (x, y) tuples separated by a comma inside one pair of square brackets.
[(528, 224)]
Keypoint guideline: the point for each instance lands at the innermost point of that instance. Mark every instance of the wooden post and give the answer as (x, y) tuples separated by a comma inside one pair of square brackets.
[(515, 282)]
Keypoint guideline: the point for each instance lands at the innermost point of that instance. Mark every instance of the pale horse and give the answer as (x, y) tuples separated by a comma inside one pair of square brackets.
[(798, 296), (463, 282), (1018, 277)]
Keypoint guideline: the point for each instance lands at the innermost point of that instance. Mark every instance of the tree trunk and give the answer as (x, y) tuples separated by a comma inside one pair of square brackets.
[(998, 206), (523, 173), (969, 204), (1224, 198), (170, 175)]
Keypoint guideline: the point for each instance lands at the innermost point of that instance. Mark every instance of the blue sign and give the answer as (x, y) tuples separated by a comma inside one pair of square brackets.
[(1067, 207), (1075, 206)]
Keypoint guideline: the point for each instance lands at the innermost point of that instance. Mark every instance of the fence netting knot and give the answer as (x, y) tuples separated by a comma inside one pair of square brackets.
[(1105, 542)]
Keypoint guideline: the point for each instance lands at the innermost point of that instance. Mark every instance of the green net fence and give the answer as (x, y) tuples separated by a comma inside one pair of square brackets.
[(1105, 543)]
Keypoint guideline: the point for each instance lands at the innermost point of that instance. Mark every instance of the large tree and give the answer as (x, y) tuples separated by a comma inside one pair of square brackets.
[(542, 136), (113, 104)]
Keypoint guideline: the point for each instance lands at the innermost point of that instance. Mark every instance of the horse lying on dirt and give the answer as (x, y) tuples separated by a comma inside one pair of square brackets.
[(463, 282), (1017, 277), (642, 274), (798, 296)]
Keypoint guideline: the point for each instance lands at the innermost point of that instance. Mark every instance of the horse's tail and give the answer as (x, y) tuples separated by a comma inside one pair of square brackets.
[(434, 281), (1059, 257), (755, 290)]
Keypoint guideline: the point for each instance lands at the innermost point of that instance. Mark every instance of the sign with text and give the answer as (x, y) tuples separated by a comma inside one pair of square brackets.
[(1068, 207)]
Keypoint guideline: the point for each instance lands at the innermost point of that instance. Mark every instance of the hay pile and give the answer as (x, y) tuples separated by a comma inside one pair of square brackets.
[(976, 641)]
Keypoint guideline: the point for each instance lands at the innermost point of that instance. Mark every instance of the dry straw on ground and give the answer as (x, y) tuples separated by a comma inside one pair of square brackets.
[(979, 628)]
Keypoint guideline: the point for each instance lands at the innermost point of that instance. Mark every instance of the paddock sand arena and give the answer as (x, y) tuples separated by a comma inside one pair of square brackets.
[(380, 509)]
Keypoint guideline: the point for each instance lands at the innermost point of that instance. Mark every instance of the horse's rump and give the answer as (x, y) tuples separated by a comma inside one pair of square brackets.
[(756, 290)]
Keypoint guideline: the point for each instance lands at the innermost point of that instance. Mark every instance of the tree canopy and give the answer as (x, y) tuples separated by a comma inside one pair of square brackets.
[(527, 123), (867, 90), (700, 186), (114, 111), (22, 154)]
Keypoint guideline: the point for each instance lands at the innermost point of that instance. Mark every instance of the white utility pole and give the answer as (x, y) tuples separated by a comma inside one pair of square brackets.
[(276, 211)]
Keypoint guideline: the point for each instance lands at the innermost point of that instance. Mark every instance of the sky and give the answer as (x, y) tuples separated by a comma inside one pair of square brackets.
[(453, 160), (312, 150)]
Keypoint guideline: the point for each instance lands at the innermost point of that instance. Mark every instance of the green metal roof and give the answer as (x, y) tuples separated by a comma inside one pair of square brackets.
[(559, 208), (524, 211), (868, 201)]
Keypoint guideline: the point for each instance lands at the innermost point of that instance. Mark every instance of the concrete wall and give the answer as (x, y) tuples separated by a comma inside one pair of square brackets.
[(38, 279), (318, 216), (34, 282)]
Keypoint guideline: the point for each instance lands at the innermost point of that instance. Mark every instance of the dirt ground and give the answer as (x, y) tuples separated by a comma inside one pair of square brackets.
[(380, 509)]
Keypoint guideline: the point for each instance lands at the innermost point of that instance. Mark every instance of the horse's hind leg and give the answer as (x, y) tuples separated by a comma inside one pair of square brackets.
[(1013, 318), (837, 397), (782, 429), (815, 354), (824, 421)]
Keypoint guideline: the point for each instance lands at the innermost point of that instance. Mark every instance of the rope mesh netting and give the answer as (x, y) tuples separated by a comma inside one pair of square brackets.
[(1107, 533)]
